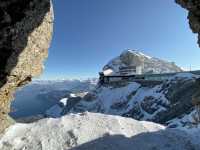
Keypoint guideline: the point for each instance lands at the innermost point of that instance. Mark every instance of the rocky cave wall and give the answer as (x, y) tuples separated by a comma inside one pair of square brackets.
[(25, 33), (193, 7)]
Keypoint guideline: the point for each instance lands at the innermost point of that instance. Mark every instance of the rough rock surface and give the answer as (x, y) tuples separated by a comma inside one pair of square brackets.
[(149, 64), (25, 33), (193, 6), (159, 103)]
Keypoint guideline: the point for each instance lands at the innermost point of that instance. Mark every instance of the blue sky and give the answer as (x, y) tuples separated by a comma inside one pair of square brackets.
[(88, 33)]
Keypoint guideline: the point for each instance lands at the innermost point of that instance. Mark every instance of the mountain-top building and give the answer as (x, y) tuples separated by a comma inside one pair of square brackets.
[(132, 62), (130, 70), (127, 64)]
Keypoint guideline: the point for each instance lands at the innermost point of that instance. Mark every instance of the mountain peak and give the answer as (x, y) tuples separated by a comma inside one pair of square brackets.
[(130, 58), (135, 52)]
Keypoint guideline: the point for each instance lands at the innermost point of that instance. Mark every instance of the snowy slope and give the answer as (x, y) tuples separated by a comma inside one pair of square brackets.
[(159, 103), (89, 131), (151, 64), (186, 121)]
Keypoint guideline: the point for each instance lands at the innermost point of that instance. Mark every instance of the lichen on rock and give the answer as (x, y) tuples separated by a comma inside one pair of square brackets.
[(25, 33)]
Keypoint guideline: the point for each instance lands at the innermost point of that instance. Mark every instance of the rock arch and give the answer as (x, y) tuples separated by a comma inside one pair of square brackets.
[(25, 33)]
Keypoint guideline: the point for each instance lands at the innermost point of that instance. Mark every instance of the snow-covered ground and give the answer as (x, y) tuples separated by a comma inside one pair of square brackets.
[(119, 101), (90, 131)]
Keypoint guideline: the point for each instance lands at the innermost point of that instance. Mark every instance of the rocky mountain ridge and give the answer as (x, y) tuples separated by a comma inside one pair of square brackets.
[(149, 64), (159, 103)]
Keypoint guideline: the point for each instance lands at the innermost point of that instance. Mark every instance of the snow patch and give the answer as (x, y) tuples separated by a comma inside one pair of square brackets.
[(87, 131), (64, 101)]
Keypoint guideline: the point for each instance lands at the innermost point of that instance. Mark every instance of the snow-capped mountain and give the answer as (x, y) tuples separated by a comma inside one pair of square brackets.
[(159, 103), (148, 64), (74, 85), (89, 131)]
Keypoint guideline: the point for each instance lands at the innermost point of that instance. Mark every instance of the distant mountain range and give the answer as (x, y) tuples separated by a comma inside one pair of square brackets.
[(40, 95)]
